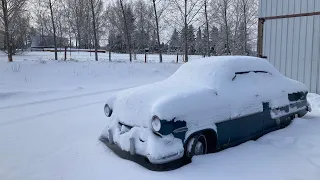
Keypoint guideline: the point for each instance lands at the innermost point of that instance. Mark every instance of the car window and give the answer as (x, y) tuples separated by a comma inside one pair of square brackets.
[(297, 96), (247, 72)]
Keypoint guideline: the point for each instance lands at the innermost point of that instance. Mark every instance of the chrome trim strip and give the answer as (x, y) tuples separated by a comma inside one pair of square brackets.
[(182, 129)]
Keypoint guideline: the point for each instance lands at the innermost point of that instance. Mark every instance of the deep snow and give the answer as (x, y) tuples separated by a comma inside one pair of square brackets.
[(51, 115)]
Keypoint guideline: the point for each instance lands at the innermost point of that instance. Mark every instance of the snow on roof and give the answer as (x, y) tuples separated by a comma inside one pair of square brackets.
[(223, 68)]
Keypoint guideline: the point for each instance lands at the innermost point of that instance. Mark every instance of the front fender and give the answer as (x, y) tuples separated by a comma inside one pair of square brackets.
[(176, 127), (193, 131)]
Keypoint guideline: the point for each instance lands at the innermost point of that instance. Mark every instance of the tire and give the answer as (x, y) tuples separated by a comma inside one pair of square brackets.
[(196, 145)]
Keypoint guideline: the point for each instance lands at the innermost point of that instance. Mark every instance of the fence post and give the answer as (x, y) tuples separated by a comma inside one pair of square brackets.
[(65, 53), (145, 57), (177, 57)]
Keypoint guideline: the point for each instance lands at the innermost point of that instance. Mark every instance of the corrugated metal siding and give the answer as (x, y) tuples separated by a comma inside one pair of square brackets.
[(316, 48), (292, 45), (285, 7)]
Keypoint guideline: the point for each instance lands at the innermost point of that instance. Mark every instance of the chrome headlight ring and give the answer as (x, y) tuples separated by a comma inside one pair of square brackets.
[(107, 110), (156, 123)]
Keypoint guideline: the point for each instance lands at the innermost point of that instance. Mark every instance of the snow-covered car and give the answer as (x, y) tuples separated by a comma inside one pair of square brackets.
[(207, 105)]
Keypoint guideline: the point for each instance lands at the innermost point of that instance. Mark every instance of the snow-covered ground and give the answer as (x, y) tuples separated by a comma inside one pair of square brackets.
[(51, 115)]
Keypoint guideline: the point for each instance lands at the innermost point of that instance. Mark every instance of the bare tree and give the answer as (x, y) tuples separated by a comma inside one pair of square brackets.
[(185, 31), (13, 18), (249, 21), (225, 6), (207, 28), (126, 30), (189, 11), (6, 27), (223, 16), (94, 30), (54, 31), (157, 29)]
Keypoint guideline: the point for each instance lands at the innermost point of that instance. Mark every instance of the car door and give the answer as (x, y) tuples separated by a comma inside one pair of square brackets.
[(247, 125), (246, 112)]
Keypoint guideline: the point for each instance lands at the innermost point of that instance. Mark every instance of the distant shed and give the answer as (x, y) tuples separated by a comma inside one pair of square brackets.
[(289, 36)]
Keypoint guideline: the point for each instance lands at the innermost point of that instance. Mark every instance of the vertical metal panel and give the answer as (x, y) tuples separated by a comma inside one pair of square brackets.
[(284, 40), (265, 37), (316, 47), (279, 7), (274, 7), (296, 39), (304, 6), (314, 75), (278, 44), (267, 42), (269, 8), (297, 6), (302, 49), (311, 5), (291, 7), (273, 37), (285, 7), (308, 57), (290, 47), (262, 8), (317, 6)]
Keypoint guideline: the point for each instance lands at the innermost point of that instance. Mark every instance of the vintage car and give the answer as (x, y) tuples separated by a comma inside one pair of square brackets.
[(208, 105)]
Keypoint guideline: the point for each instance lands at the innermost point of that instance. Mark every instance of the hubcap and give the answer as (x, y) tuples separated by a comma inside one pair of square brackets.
[(199, 149)]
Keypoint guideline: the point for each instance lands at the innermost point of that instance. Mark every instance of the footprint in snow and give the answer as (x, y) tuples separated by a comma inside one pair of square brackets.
[(304, 144), (279, 142), (315, 160)]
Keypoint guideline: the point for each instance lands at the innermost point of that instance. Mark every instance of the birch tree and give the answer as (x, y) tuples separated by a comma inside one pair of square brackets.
[(94, 30), (54, 31), (207, 37), (157, 30), (188, 11), (11, 14), (223, 16), (125, 20)]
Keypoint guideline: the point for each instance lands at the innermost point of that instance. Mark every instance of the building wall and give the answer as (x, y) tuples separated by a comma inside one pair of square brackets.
[(286, 7), (292, 45)]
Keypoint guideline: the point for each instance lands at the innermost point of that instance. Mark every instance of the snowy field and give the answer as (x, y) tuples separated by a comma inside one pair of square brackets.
[(51, 116), (86, 56)]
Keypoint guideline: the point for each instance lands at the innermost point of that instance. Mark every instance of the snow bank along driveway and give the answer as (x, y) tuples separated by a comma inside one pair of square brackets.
[(51, 115)]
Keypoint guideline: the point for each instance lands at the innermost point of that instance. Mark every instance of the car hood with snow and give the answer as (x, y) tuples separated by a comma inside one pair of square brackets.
[(167, 99)]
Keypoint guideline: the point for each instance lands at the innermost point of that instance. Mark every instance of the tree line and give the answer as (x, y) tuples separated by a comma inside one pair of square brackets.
[(202, 27)]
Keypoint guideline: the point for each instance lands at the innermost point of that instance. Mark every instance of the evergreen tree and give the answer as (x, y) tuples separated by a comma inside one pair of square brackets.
[(191, 39), (199, 43), (214, 38), (174, 41)]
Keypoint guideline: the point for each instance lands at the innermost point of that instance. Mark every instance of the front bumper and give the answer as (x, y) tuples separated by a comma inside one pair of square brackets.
[(142, 146), (143, 161)]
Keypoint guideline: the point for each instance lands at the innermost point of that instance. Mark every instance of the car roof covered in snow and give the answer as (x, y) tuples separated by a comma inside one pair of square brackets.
[(213, 70)]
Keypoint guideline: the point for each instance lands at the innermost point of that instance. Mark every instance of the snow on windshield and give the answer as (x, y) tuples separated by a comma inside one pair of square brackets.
[(215, 70)]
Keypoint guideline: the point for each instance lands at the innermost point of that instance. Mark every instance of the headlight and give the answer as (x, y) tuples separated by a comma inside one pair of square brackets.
[(156, 124), (107, 110)]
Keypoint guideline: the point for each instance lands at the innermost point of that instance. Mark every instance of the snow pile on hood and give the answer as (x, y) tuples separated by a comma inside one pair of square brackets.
[(137, 106)]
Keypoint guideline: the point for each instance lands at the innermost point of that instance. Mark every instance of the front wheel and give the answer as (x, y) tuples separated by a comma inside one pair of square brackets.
[(197, 145)]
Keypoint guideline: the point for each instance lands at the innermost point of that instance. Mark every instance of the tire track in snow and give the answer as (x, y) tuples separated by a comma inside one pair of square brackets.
[(62, 98), (29, 118)]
